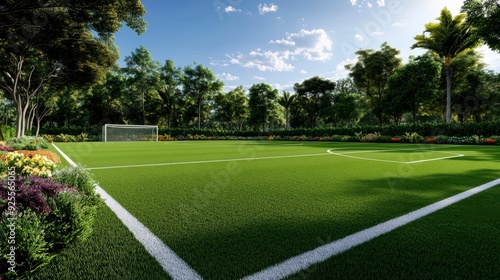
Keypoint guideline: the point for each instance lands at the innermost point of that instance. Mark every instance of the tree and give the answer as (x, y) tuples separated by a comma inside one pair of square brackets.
[(262, 104), (231, 108), (287, 101), (200, 84), (170, 93), (143, 75), (347, 108), (448, 38), (371, 72), (69, 41), (412, 85), (314, 93), (484, 15)]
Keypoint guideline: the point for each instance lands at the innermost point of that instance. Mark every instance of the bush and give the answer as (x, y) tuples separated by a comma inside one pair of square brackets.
[(32, 250), (489, 141), (370, 137), (28, 143), (57, 215)]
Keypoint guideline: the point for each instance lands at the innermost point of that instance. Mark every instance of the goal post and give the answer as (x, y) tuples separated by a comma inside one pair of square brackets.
[(126, 132)]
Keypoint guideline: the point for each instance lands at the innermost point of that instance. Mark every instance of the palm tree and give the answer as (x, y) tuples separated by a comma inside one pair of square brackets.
[(286, 101), (449, 38)]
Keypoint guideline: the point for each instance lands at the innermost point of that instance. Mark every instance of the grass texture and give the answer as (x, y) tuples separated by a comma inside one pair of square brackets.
[(232, 208)]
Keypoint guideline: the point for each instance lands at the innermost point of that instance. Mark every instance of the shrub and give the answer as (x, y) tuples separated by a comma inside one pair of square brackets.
[(82, 137), (370, 137), (441, 139), (395, 139), (32, 193), (32, 250), (495, 137), (412, 137), (48, 138), (64, 138), (56, 216), (430, 140), (489, 141), (37, 165), (28, 143)]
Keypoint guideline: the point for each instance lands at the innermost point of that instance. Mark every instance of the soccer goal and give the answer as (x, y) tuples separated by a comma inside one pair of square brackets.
[(123, 132)]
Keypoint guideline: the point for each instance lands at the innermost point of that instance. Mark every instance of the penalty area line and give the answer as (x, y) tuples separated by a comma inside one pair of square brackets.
[(204, 161), (169, 261), (321, 254)]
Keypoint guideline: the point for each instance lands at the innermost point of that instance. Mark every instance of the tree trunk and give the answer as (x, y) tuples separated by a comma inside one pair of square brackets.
[(448, 94)]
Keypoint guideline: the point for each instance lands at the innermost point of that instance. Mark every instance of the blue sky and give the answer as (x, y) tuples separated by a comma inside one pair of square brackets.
[(281, 42)]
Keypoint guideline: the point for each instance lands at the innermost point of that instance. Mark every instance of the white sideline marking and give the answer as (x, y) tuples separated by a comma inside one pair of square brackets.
[(346, 154), (204, 161), (320, 254), (170, 262)]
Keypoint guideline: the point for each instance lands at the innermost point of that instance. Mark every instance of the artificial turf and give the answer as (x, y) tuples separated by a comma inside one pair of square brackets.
[(228, 219)]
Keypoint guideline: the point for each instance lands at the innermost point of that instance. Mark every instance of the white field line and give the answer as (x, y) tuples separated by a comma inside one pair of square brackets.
[(320, 254), (205, 161), (347, 154), (170, 262)]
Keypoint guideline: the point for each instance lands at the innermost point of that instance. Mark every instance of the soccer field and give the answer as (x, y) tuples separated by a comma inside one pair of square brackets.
[(233, 209)]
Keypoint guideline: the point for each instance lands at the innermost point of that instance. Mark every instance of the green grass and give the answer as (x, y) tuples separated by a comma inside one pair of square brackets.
[(229, 219)]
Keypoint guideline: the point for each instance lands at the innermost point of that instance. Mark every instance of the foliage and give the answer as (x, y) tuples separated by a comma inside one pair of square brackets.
[(262, 104), (28, 143), (32, 193), (370, 137), (371, 73), (412, 137), (447, 39), (32, 165), (32, 250), (64, 138), (61, 210), (484, 15), (315, 95)]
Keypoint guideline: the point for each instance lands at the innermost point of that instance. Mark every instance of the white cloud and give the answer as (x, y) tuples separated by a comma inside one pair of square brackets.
[(397, 24), (263, 61), (231, 9), (303, 72), (359, 37), (340, 71), (369, 5), (377, 33), (265, 8), (491, 58), (313, 44), (259, 78), (353, 2), (228, 77), (381, 3)]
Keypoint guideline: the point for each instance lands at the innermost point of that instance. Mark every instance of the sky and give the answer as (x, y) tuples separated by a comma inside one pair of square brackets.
[(281, 42)]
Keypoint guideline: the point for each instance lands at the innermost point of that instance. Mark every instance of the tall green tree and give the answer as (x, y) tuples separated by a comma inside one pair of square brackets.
[(412, 85), (484, 15), (371, 72), (231, 108), (314, 93), (262, 104), (286, 101), (143, 76), (67, 41), (447, 38), (170, 92), (201, 85)]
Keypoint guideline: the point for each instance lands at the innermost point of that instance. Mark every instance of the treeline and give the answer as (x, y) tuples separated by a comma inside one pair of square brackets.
[(485, 129), (82, 88)]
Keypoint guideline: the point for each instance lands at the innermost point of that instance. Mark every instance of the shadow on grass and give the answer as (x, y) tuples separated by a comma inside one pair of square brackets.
[(231, 253)]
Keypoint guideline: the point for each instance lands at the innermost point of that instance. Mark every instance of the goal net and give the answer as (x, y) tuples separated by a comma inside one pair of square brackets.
[(122, 132)]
